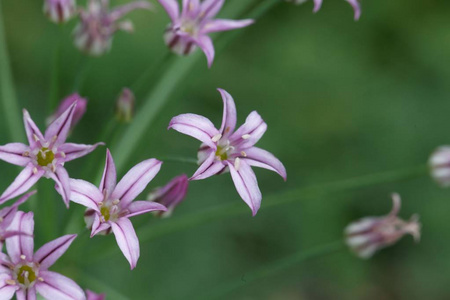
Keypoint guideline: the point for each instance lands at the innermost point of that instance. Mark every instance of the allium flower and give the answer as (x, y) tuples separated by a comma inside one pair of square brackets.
[(79, 112), (125, 106), (98, 24), (370, 234), (44, 156), (318, 4), (171, 194), (26, 273), (227, 149), (440, 166), (110, 206), (192, 27), (60, 11), (93, 296), (6, 217)]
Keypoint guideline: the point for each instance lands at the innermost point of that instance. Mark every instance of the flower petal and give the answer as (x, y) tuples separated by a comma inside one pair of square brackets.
[(6, 290), (61, 177), (190, 7), (250, 132), (210, 8), (229, 114), (22, 244), (57, 131), (23, 182), (73, 151), (109, 178), (127, 240), (57, 286), (85, 193), (122, 10), (208, 168), (49, 253), (94, 296), (356, 7), (258, 157), (172, 8), (98, 226), (7, 213), (225, 25), (28, 294), (317, 5), (196, 126), (215, 168), (205, 43), (246, 185), (14, 154), (135, 181), (32, 130), (142, 207)]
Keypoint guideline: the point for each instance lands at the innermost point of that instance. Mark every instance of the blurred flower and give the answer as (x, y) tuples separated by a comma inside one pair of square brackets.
[(79, 112), (60, 11), (318, 4), (25, 273), (192, 27), (110, 206), (440, 165), (93, 296), (44, 156), (98, 24), (170, 195), (370, 234), (125, 106), (226, 149), (6, 217)]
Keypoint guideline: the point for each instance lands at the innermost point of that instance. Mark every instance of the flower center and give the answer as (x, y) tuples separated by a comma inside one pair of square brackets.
[(26, 275), (104, 210), (189, 27), (45, 157), (222, 153)]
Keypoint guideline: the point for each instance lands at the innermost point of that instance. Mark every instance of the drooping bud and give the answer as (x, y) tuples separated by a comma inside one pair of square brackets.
[(125, 106), (67, 102), (440, 166), (60, 11), (90, 295), (366, 236), (170, 195)]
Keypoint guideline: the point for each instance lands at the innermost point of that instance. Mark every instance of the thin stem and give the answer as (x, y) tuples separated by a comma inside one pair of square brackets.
[(83, 69), (272, 269), (183, 160), (7, 92), (54, 81)]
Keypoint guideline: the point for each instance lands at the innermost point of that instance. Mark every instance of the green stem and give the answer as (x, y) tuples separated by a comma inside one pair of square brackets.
[(272, 269), (7, 92), (182, 160), (54, 81)]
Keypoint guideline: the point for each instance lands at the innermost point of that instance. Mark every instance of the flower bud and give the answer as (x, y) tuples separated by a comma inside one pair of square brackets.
[(440, 166), (366, 236), (90, 295), (80, 109), (171, 195), (125, 106), (60, 11)]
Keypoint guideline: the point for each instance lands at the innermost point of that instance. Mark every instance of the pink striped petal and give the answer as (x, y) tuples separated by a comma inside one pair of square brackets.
[(21, 244), (196, 126), (250, 132), (190, 7), (141, 207), (85, 193), (13, 154), (109, 178), (215, 168), (204, 167), (6, 290), (135, 181), (94, 296), (246, 185), (127, 240), (61, 177), (73, 151), (172, 9), (49, 253), (98, 227), (258, 157), (356, 7), (225, 25), (57, 131), (56, 286), (317, 5), (7, 213), (28, 294), (210, 8), (205, 43), (32, 130), (229, 114), (23, 182)]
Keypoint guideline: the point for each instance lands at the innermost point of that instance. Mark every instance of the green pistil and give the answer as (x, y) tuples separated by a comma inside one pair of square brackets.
[(221, 153), (31, 275), (104, 210), (45, 157)]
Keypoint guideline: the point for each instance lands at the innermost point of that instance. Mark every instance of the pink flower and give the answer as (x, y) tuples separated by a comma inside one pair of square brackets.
[(318, 4), (192, 27), (79, 112), (370, 234), (44, 156), (111, 205), (25, 273), (93, 296), (60, 11), (440, 166), (230, 149), (98, 24), (170, 195)]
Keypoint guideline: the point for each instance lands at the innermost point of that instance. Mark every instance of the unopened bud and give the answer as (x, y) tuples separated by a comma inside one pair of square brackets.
[(60, 11), (80, 109), (170, 195), (125, 106)]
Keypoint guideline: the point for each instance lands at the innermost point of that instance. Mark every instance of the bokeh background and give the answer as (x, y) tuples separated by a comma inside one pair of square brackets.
[(342, 99)]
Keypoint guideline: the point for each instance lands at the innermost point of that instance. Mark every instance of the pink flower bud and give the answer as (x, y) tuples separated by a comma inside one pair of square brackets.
[(125, 106), (440, 166), (60, 11), (80, 109), (366, 236), (90, 295), (171, 195)]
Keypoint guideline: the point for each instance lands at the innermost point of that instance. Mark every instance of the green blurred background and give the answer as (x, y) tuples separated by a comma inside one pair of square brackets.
[(342, 99)]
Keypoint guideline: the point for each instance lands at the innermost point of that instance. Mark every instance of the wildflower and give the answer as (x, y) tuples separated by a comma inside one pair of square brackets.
[(93, 296), (98, 24), (227, 149), (79, 112), (125, 106), (440, 166), (318, 4), (60, 11), (171, 194), (45, 155), (370, 234), (192, 27), (110, 206), (25, 273)]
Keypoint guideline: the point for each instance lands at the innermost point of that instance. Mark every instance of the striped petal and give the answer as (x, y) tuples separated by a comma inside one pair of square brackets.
[(23, 182), (57, 286), (22, 244), (49, 253), (196, 126), (14, 154), (127, 240)]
